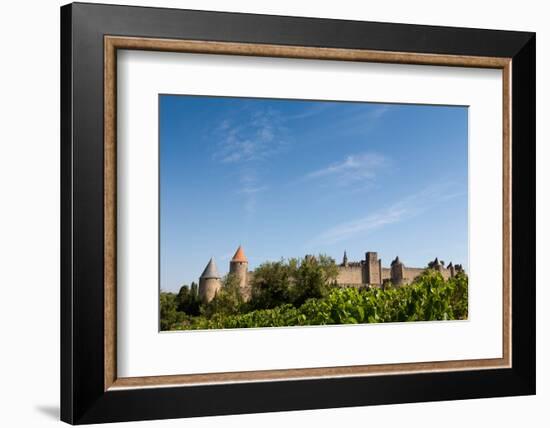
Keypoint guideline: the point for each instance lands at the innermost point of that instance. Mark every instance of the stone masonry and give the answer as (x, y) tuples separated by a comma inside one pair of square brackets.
[(370, 271), (350, 274)]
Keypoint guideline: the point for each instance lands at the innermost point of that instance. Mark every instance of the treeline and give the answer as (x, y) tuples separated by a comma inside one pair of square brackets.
[(273, 284), (304, 292)]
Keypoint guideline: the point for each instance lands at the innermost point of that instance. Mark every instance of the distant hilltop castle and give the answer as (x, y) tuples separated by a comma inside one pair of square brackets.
[(350, 274)]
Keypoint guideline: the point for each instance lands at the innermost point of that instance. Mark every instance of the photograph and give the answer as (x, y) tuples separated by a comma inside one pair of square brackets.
[(291, 212)]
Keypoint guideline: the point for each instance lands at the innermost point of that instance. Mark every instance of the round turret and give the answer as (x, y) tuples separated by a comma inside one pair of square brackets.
[(238, 266), (397, 272), (209, 282)]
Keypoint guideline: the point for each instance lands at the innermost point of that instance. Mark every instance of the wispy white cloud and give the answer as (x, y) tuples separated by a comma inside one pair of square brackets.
[(379, 111), (247, 138), (374, 113), (251, 190), (404, 209), (257, 137), (250, 207), (314, 110), (355, 167), (361, 226), (361, 121), (244, 144)]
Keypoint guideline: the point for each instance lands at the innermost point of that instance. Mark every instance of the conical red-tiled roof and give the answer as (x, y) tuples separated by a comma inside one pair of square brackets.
[(239, 256)]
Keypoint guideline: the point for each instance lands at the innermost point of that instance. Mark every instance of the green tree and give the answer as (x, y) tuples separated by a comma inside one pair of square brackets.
[(188, 300), (271, 284), (169, 315), (459, 296), (228, 300), (313, 278)]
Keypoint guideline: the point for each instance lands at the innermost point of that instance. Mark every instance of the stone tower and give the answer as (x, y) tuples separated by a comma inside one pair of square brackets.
[(209, 282), (397, 272), (451, 269), (345, 259), (436, 265), (238, 266), (372, 269)]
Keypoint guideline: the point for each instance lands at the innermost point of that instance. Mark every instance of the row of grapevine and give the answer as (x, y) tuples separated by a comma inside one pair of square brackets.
[(430, 297)]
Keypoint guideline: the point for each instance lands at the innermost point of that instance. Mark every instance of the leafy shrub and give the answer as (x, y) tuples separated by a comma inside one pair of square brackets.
[(227, 301), (271, 285), (169, 315), (188, 299), (293, 281), (313, 277), (429, 298)]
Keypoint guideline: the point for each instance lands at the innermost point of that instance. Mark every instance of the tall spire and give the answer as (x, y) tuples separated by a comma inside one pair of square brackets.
[(211, 270), (239, 256), (345, 259)]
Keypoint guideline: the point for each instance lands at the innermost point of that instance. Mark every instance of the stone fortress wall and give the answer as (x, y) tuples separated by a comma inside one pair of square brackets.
[(370, 271), (350, 274), (367, 272)]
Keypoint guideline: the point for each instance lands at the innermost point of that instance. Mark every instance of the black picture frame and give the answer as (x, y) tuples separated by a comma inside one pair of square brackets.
[(83, 398)]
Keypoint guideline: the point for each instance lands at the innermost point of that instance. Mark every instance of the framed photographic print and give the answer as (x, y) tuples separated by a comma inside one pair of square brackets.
[(266, 213)]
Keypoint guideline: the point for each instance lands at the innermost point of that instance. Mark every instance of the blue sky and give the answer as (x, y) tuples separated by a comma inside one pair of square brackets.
[(286, 178)]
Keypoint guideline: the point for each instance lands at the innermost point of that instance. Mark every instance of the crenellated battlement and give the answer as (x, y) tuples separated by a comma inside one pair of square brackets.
[(371, 272), (350, 273)]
